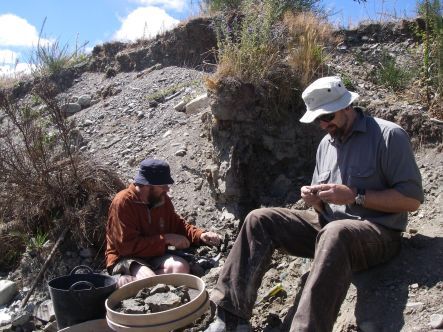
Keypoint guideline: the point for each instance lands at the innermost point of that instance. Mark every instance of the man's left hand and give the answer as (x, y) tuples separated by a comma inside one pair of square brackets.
[(210, 238), (332, 193)]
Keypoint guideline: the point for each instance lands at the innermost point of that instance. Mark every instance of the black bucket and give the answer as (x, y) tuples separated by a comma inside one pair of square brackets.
[(79, 297)]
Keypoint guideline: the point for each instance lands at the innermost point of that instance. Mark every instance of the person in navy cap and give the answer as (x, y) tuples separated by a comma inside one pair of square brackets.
[(142, 223)]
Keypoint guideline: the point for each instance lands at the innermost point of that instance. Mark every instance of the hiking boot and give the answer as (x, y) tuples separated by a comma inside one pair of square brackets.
[(227, 322)]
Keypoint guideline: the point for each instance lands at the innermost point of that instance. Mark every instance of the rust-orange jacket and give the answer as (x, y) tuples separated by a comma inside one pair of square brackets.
[(134, 230)]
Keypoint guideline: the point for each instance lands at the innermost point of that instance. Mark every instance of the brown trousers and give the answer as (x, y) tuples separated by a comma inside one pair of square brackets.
[(337, 248)]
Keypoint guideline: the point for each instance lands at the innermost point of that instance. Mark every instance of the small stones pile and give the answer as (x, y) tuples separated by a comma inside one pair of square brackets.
[(156, 299)]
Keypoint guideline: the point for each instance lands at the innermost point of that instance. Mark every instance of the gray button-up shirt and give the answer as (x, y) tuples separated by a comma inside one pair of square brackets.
[(376, 156)]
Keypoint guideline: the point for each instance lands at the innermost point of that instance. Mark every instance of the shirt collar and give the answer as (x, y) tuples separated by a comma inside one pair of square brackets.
[(359, 124)]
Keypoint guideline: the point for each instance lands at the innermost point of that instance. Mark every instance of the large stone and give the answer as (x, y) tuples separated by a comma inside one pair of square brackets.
[(45, 311), (5, 318), (198, 104), (181, 106), (71, 108), (21, 318), (436, 321), (84, 101), (8, 289), (163, 301)]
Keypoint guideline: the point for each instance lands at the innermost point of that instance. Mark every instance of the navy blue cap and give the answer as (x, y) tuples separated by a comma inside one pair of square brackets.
[(153, 172)]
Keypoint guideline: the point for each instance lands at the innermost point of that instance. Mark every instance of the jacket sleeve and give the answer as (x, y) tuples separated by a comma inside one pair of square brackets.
[(180, 226), (126, 233)]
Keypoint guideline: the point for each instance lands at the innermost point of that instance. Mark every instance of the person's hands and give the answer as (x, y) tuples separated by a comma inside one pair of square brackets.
[(309, 195), (332, 193), (177, 240), (210, 238)]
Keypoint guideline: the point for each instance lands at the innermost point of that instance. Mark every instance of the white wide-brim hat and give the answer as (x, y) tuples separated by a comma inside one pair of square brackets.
[(326, 95)]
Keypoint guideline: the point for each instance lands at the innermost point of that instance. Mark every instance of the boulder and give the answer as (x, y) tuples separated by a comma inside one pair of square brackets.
[(45, 311), (198, 104), (71, 108), (84, 101), (8, 289)]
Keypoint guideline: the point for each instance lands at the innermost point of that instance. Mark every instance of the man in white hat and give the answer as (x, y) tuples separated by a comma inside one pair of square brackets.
[(365, 182)]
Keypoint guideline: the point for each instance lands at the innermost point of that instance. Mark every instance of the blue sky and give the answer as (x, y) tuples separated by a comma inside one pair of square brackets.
[(98, 21)]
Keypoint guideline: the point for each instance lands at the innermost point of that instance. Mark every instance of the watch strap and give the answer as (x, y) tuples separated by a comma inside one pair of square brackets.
[(361, 195)]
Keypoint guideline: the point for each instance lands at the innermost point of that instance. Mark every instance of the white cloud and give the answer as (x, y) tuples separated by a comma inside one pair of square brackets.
[(16, 31), (8, 57), (145, 22), (178, 5), (22, 68)]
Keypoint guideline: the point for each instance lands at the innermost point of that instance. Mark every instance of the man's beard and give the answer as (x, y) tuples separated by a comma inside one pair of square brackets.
[(337, 132), (154, 200)]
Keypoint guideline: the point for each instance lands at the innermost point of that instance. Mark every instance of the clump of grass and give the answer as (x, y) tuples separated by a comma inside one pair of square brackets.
[(39, 240), (50, 58), (273, 45), (310, 35), (392, 75), (248, 47), (160, 95), (432, 36), (234, 5)]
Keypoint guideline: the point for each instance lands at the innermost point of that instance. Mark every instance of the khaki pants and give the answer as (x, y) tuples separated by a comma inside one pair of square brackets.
[(337, 248)]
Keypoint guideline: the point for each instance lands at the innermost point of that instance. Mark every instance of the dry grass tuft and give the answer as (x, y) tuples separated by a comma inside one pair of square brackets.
[(309, 39)]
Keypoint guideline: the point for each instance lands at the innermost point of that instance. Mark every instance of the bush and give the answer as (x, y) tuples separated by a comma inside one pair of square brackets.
[(432, 36), (46, 185), (391, 75), (248, 47), (257, 41), (283, 5)]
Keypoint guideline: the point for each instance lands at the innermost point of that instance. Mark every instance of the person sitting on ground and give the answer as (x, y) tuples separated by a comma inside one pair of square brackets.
[(364, 183), (142, 223)]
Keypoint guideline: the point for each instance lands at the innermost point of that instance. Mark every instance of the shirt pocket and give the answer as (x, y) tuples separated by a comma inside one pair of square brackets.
[(323, 177), (361, 177)]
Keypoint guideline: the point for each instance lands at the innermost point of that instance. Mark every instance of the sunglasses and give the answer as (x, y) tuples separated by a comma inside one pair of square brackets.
[(325, 117)]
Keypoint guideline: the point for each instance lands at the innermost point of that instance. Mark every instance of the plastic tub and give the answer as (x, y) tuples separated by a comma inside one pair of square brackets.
[(80, 297)]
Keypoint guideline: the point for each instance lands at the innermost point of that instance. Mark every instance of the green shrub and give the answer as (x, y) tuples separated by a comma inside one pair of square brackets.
[(432, 36), (247, 47), (392, 75), (265, 36), (283, 5), (49, 58)]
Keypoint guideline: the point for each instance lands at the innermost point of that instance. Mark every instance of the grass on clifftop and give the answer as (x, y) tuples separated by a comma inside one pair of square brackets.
[(268, 38)]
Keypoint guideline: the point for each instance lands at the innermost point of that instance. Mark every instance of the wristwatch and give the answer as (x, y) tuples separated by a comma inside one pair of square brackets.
[(360, 198)]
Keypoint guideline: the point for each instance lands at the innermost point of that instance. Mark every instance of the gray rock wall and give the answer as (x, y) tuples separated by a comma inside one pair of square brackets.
[(262, 155)]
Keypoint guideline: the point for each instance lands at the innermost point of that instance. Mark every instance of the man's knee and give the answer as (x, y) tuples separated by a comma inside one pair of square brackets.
[(256, 217), (141, 271), (175, 265), (336, 232)]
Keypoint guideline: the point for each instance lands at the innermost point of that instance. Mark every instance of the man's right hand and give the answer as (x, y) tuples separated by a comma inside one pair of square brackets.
[(177, 240), (310, 196)]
